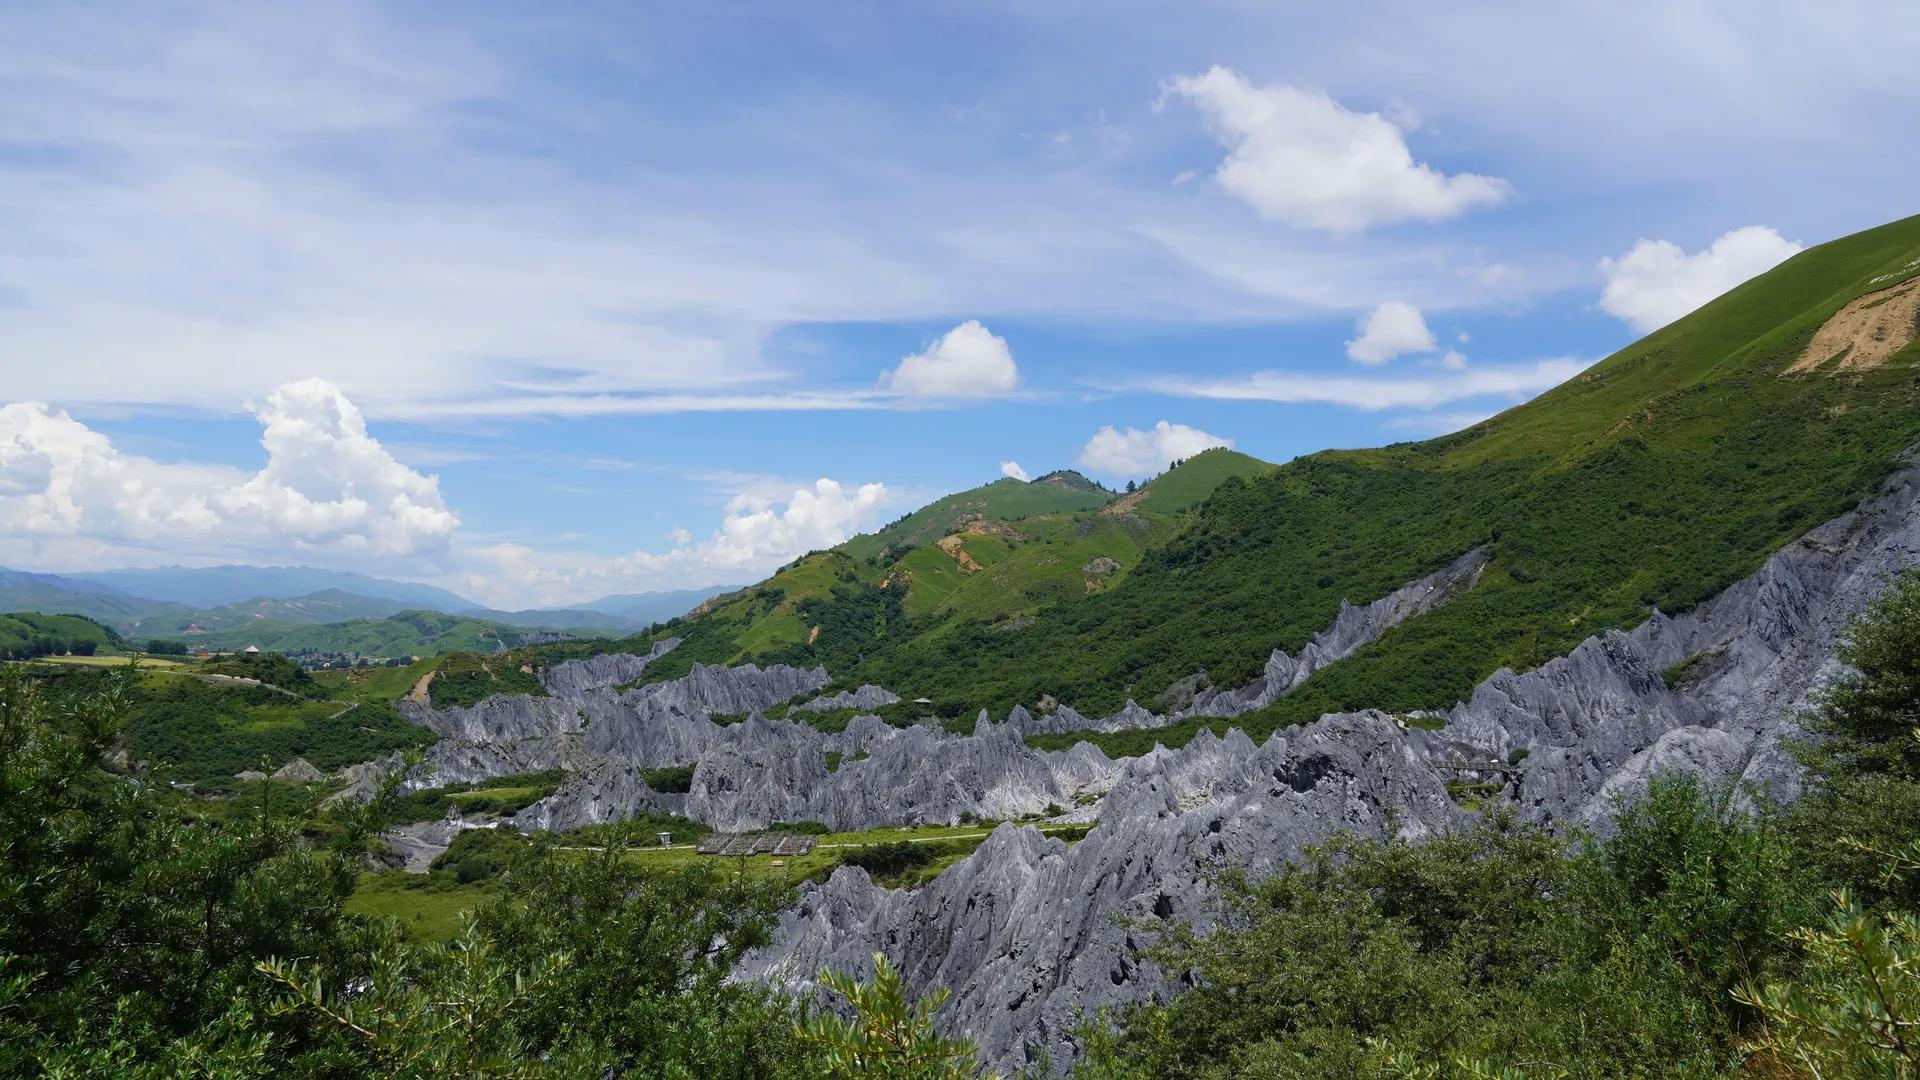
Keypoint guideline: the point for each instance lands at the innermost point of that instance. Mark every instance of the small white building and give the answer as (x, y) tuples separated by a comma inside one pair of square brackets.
[(251, 650)]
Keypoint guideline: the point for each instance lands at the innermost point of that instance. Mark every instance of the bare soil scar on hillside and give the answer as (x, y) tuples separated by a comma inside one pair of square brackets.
[(1865, 332)]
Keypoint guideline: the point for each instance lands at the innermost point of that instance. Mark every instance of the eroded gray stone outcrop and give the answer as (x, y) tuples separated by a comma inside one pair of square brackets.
[(1027, 930), (574, 677), (777, 771), (1024, 930), (868, 696), (585, 719), (1355, 626)]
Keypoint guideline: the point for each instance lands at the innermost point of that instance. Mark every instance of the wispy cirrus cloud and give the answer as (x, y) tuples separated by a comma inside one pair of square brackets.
[(217, 200), (1370, 393)]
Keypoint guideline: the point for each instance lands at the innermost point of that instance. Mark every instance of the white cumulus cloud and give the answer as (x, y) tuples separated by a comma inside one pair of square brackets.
[(1656, 281), (328, 489), (1133, 452), (328, 482), (756, 536), (1392, 329), (1013, 469), (1299, 157), (968, 361), (755, 533)]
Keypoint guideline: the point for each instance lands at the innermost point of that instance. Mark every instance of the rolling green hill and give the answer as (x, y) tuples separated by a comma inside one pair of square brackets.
[(1005, 500), (190, 725), (325, 606), (1072, 480), (409, 633), (26, 634), (1186, 484), (1656, 477), (990, 555)]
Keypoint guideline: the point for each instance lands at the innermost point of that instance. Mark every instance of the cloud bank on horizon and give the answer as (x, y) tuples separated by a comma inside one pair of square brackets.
[(331, 494)]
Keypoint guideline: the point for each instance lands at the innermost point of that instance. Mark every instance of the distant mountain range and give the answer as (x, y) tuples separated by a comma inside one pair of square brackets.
[(649, 607), (290, 607), (213, 586)]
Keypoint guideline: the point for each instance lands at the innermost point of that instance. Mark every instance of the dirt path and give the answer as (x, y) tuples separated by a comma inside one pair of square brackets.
[(238, 680), (418, 695)]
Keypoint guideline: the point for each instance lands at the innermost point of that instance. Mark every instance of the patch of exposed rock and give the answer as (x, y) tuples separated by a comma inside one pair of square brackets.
[(299, 770)]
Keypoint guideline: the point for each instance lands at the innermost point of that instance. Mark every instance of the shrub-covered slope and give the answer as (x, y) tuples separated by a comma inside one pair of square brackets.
[(1654, 478)]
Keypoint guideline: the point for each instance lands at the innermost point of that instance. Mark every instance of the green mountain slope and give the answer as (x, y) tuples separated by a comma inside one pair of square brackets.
[(25, 634), (1186, 484), (408, 633), (325, 606), (201, 729), (1072, 480), (1657, 477), (991, 555), (1005, 499)]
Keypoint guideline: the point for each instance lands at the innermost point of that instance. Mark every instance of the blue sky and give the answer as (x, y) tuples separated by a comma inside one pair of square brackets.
[(545, 303)]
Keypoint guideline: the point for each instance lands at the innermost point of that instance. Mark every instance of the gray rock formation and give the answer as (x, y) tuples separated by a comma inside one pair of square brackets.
[(867, 697), (777, 771), (575, 677), (1353, 627), (1028, 929), (1024, 931), (1601, 720), (584, 720), (415, 846), (300, 770)]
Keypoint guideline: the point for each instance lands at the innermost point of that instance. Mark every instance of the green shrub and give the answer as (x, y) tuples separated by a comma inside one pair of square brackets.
[(888, 859), (889, 1036), (805, 828), (480, 854), (504, 795)]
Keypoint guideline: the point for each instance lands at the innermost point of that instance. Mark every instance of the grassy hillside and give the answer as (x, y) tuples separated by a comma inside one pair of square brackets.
[(1194, 479), (1005, 499), (26, 634), (1657, 477), (991, 555), (409, 633), (201, 729), (1072, 481), (326, 606)]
